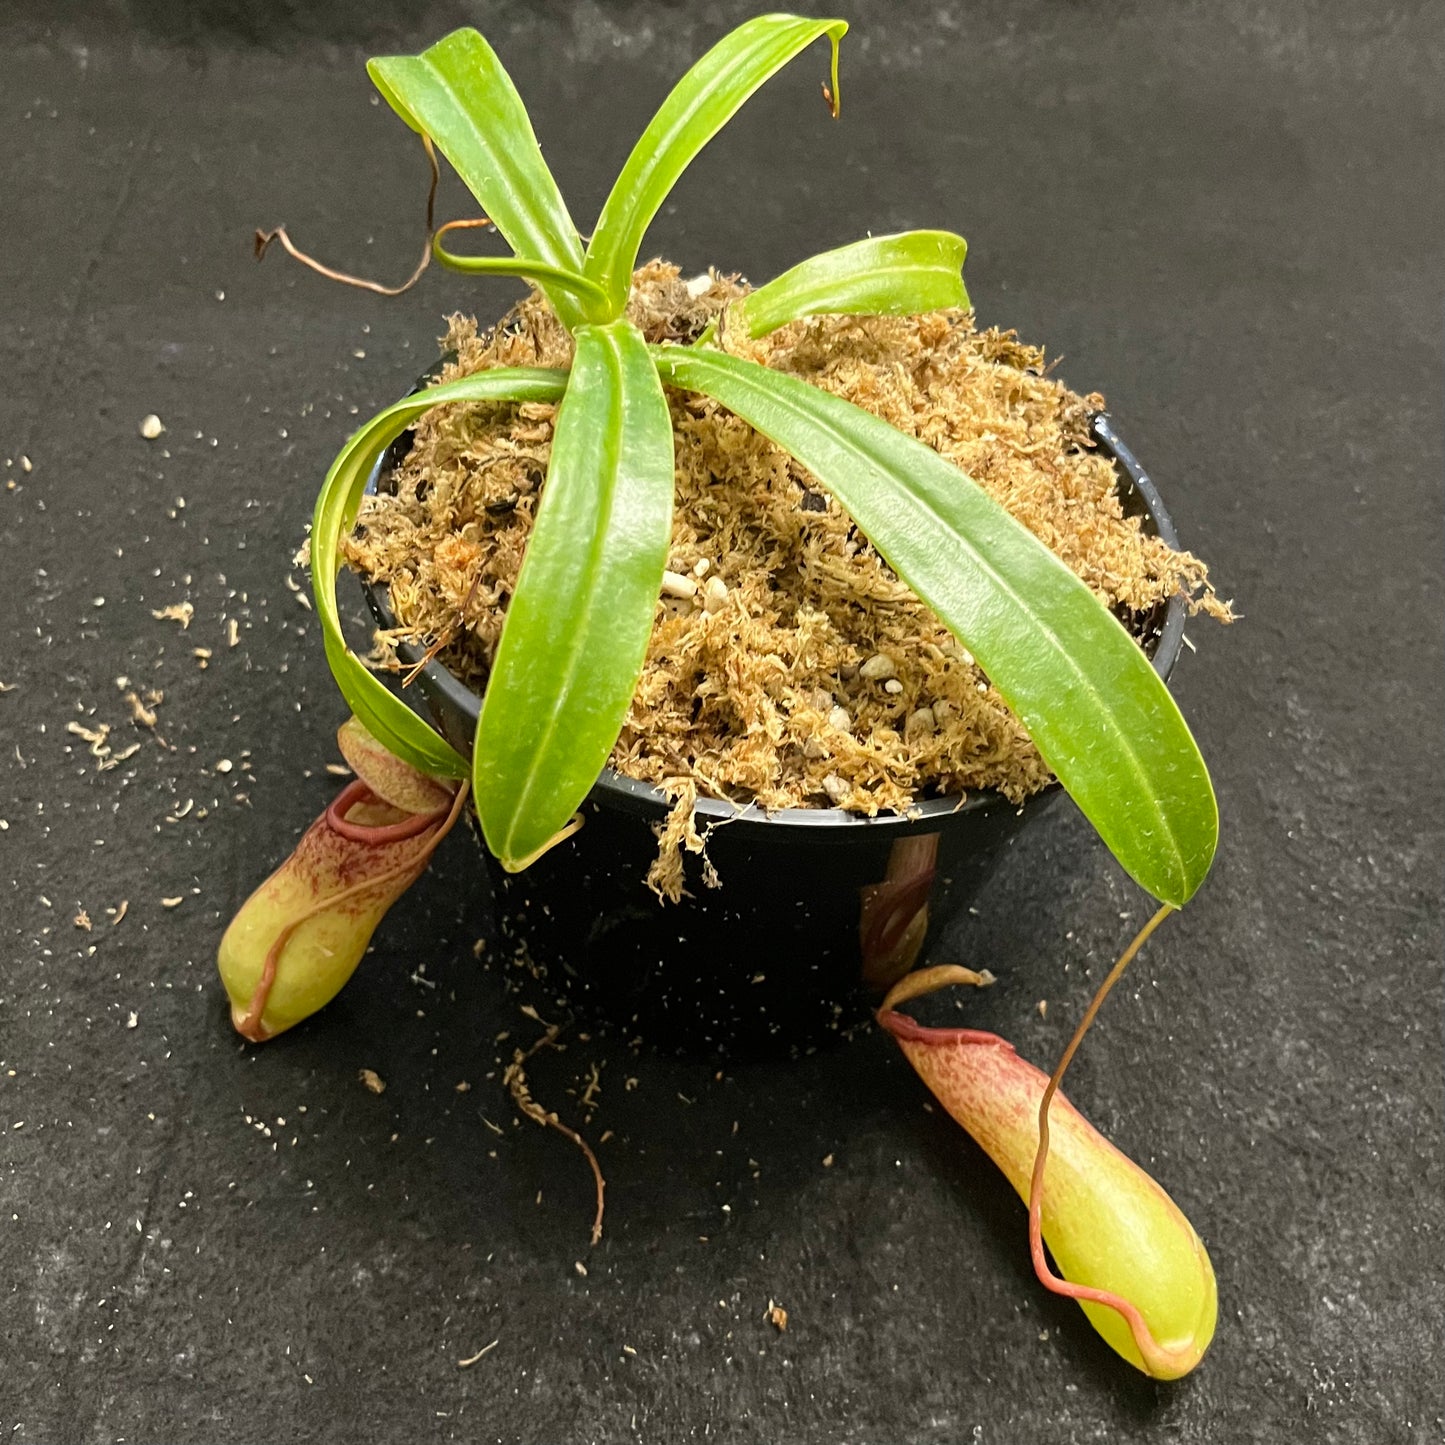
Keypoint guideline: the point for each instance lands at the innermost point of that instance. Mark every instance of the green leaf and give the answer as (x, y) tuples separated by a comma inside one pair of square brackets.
[(459, 94), (899, 275), (702, 102), (1097, 711), (576, 633), (384, 714)]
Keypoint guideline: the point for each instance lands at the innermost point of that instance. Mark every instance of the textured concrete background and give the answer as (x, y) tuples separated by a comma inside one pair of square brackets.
[(1228, 218)]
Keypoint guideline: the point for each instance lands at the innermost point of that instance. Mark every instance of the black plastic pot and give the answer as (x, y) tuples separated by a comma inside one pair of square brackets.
[(818, 911)]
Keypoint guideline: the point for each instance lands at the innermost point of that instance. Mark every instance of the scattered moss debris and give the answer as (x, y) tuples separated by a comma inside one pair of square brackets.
[(181, 612), (480, 1354), (798, 670)]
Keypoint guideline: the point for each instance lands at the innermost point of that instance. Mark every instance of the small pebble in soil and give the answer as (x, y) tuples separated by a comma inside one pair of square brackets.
[(714, 594), (878, 667), (151, 427), (921, 720)]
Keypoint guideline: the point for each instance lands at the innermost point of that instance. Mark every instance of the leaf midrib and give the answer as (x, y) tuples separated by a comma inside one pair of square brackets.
[(612, 453)]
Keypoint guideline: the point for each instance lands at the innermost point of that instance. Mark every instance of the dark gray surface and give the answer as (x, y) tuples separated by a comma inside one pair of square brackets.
[(1227, 218)]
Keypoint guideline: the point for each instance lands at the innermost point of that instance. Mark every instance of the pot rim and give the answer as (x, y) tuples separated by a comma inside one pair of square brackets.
[(635, 796)]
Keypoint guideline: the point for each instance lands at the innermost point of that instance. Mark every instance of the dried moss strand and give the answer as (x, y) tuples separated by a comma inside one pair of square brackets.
[(515, 1079)]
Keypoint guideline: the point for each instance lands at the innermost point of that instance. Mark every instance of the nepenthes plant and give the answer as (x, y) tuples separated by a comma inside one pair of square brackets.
[(578, 623), (577, 627)]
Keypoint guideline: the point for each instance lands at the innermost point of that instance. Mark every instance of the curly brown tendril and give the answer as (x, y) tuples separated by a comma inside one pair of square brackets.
[(264, 239), (465, 224), (1152, 1352), (560, 836)]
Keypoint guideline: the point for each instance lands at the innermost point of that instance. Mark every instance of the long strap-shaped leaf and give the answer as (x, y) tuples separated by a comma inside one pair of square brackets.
[(384, 714), (459, 94), (576, 632), (700, 104), (1097, 711), (900, 275)]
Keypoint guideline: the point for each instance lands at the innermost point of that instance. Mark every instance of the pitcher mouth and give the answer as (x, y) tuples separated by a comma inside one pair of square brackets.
[(358, 791)]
